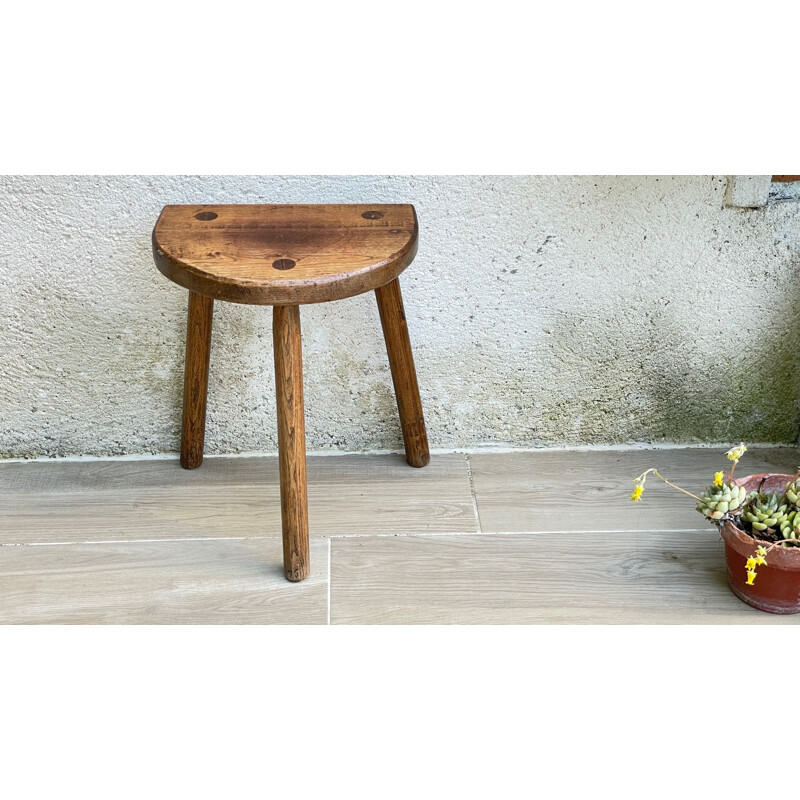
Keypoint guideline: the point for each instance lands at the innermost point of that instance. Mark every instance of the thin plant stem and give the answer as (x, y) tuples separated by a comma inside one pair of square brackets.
[(669, 483), (782, 542), (640, 482)]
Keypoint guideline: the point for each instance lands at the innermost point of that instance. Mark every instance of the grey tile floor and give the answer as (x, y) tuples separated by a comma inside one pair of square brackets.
[(481, 538)]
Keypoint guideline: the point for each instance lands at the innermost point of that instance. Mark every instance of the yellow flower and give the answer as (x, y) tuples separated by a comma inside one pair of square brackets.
[(718, 479), (761, 550), (735, 453), (750, 565), (636, 494), (760, 560), (751, 576)]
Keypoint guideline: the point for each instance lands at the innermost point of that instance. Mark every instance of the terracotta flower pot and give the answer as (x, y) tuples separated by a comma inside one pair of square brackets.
[(777, 585)]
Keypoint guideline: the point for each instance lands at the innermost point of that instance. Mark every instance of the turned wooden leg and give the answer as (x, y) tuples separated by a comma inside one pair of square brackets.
[(404, 376), (291, 439), (195, 382)]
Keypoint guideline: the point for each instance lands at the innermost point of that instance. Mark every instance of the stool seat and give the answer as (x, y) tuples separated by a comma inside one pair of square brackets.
[(284, 254)]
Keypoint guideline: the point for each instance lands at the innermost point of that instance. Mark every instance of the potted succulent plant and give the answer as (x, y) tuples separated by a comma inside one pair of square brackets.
[(758, 517)]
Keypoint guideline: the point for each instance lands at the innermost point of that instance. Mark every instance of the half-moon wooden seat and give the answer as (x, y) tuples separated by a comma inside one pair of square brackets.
[(284, 254)]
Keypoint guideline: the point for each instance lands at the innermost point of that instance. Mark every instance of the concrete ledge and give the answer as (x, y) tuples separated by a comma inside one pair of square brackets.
[(747, 191)]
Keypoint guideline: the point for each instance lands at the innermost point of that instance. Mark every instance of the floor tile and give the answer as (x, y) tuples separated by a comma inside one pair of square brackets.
[(589, 490), (222, 581), (93, 501), (614, 578)]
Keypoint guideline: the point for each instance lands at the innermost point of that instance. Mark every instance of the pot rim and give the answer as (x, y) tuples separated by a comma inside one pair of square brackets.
[(745, 544), (761, 475)]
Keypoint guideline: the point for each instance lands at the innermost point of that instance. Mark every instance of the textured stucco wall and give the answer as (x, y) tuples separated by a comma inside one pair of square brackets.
[(542, 310)]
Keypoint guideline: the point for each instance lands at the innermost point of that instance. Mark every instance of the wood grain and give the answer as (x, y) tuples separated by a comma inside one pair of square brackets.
[(284, 254), (404, 375), (785, 178), (195, 382), (63, 501), (291, 439), (572, 490), (230, 582), (639, 578)]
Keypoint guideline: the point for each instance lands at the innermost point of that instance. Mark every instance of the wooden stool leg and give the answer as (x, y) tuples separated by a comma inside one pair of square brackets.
[(195, 382), (291, 439), (404, 376)]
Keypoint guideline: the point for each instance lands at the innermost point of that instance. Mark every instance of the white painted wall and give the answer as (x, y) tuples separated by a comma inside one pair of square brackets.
[(543, 311)]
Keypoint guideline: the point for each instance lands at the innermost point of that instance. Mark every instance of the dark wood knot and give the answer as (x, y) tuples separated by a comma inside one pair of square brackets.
[(283, 263), (205, 216), (372, 215)]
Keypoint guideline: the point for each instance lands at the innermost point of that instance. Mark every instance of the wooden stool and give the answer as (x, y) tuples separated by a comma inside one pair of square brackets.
[(284, 256)]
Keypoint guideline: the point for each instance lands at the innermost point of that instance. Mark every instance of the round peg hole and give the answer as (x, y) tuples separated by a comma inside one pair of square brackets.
[(205, 216), (372, 215), (283, 263)]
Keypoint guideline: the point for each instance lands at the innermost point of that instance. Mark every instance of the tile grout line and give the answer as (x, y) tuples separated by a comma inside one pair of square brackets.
[(141, 541), (330, 547), (526, 532), (472, 493), (332, 536)]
